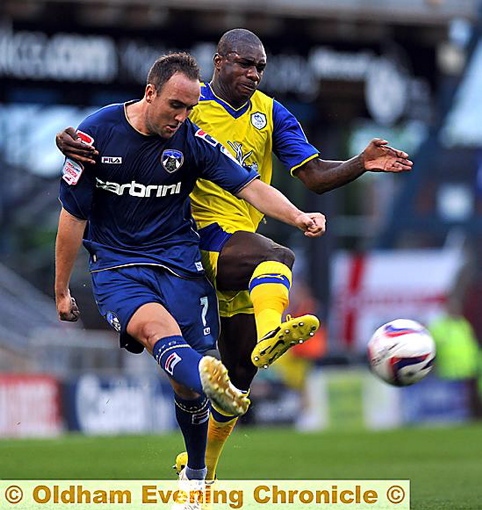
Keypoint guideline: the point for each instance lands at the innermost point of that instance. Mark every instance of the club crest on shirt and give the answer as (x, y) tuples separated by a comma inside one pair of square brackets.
[(113, 320), (258, 120), (172, 160)]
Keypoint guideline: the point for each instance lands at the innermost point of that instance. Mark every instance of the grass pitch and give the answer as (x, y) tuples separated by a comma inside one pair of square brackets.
[(444, 465)]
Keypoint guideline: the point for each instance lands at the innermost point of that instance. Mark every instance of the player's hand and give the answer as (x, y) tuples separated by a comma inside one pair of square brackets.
[(378, 156), (312, 224), (70, 145), (67, 308)]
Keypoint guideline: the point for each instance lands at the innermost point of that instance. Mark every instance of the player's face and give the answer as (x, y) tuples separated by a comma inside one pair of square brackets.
[(171, 106), (240, 71)]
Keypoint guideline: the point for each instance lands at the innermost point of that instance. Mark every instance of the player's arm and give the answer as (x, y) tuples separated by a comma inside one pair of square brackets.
[(71, 146), (320, 175), (69, 239), (273, 203)]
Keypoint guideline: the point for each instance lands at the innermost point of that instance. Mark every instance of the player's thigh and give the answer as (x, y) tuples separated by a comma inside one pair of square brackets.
[(193, 303), (119, 293), (242, 253), (150, 322)]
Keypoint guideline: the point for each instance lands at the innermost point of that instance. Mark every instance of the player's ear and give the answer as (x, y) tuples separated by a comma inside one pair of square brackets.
[(217, 60), (150, 92)]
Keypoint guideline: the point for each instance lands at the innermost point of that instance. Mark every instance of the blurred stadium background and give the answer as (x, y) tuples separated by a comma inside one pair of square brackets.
[(397, 245)]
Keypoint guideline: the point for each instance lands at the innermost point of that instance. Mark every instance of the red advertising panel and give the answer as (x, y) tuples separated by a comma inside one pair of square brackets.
[(29, 406), (371, 289)]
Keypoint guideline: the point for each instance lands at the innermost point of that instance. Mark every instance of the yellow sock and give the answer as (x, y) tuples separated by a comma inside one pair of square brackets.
[(218, 433), (269, 291)]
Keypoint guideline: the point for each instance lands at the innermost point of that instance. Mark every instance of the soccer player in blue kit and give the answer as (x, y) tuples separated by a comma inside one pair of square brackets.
[(132, 212), (252, 273)]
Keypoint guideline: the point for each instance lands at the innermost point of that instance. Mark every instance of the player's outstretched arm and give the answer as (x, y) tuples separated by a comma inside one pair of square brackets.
[(321, 175), (274, 204), (378, 156), (71, 146), (69, 239)]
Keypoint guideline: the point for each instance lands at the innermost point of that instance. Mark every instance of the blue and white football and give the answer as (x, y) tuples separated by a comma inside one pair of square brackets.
[(401, 352)]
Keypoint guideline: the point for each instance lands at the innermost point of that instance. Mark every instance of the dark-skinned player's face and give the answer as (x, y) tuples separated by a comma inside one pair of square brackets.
[(240, 71)]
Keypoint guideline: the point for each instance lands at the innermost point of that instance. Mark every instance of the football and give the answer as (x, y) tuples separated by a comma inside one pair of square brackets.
[(401, 352)]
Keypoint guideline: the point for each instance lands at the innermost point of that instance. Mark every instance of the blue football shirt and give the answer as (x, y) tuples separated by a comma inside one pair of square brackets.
[(136, 198)]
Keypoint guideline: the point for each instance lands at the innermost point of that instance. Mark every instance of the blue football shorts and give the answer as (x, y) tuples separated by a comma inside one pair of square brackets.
[(191, 301)]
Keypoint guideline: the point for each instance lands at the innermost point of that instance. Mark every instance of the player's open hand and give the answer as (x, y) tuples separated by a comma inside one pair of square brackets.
[(70, 145), (378, 156), (67, 308), (312, 224)]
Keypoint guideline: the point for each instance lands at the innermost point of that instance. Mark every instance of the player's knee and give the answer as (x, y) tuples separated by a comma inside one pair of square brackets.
[(147, 333), (282, 254)]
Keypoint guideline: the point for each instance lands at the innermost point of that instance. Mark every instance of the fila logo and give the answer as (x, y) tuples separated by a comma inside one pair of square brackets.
[(112, 160)]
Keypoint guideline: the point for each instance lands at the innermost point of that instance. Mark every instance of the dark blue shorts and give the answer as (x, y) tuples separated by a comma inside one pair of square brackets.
[(192, 302)]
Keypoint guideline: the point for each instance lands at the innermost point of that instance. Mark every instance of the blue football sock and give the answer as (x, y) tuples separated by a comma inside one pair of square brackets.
[(192, 417), (179, 360)]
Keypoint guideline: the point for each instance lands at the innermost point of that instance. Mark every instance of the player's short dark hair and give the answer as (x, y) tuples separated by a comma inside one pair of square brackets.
[(167, 65), (233, 39)]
